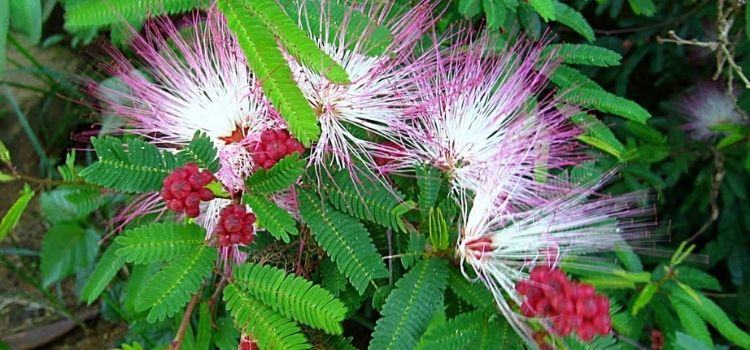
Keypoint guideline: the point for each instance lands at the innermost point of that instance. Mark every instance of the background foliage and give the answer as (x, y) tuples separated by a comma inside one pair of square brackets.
[(627, 61)]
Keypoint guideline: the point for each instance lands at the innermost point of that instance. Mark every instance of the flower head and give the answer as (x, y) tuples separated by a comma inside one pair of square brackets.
[(369, 40), (476, 117), (706, 107), (501, 245), (194, 79)]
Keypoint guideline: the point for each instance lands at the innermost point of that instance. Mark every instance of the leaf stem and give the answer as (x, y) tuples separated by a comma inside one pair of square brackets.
[(177, 342)]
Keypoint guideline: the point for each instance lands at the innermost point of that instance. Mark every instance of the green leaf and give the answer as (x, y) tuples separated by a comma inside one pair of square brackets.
[(605, 102), (201, 151), (141, 169), (410, 307), (271, 68), (166, 292), (292, 296), (644, 297), (295, 41), (530, 20), (469, 8), (160, 242), (4, 153), (713, 314), (573, 20), (494, 11), (643, 7), (598, 134), (106, 269), (691, 322), (70, 202), (340, 21), (138, 277), (330, 277), (496, 333), (437, 229), (4, 25), (697, 279), (203, 338), (84, 14), (686, 342), (368, 199), (280, 177), (278, 222), (456, 333), (545, 8), (429, 180), (583, 54), (26, 18), (66, 249), (11, 217), (226, 337), (475, 294), (344, 239), (269, 328), (567, 77)]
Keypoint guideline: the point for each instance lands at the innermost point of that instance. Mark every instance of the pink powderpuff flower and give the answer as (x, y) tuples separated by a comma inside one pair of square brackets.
[(501, 246), (354, 34), (476, 117), (707, 106), (192, 79)]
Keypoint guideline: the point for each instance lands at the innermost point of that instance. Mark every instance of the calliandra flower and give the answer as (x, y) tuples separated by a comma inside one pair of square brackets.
[(707, 106), (370, 41), (501, 245), (192, 79), (476, 118)]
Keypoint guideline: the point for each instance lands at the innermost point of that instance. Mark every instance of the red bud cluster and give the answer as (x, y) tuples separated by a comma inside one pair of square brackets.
[(571, 306), (273, 146), (185, 188), (235, 226)]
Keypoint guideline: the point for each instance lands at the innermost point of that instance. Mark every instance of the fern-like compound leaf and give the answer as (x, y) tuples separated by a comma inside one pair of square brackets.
[(606, 102), (271, 330), (582, 54), (574, 20), (280, 177), (269, 65), (429, 182), (105, 271), (201, 151), (453, 334), (410, 307), (473, 293), (278, 222), (598, 135), (160, 242), (292, 296), (140, 168), (96, 13), (566, 77), (367, 200), (295, 41), (166, 292), (496, 333), (344, 239)]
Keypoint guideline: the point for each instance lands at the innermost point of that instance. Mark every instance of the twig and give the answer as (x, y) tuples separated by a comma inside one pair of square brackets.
[(177, 342), (217, 292), (676, 39), (723, 46)]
